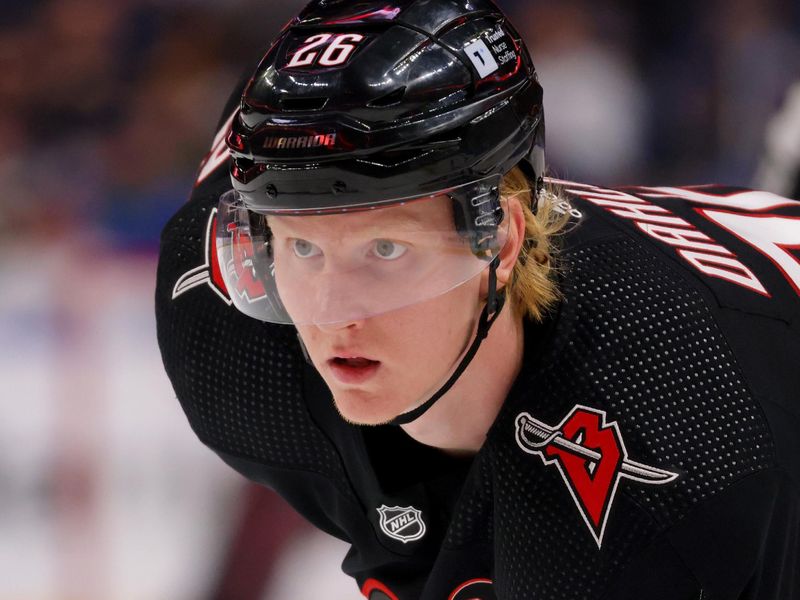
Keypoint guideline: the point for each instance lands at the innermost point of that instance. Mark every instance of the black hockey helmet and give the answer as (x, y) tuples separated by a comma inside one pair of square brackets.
[(369, 104), (385, 108), (379, 100)]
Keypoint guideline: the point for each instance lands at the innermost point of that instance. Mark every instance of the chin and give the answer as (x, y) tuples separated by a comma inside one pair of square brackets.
[(358, 408)]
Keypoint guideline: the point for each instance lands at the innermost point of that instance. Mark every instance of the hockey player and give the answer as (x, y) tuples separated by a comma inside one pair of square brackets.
[(490, 384)]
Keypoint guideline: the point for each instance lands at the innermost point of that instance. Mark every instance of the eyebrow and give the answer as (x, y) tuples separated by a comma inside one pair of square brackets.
[(405, 220), (409, 219)]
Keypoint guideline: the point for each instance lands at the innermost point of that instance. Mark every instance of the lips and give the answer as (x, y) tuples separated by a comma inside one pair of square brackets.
[(350, 355), (357, 362), (353, 369)]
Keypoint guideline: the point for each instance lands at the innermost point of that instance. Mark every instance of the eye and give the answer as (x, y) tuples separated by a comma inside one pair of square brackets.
[(389, 250), (305, 249)]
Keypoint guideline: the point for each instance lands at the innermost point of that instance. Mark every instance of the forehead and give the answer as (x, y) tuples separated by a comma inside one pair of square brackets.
[(428, 214)]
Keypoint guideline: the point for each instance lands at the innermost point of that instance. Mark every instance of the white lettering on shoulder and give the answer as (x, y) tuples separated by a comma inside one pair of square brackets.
[(692, 245)]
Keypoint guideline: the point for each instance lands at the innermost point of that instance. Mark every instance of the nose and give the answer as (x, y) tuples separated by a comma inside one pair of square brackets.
[(338, 305), (340, 325)]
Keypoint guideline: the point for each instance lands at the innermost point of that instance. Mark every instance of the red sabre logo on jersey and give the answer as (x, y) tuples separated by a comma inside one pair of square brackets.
[(247, 287), (591, 457)]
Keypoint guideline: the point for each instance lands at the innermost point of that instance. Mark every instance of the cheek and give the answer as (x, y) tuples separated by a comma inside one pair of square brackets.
[(430, 336), (312, 340), (290, 285), (418, 344)]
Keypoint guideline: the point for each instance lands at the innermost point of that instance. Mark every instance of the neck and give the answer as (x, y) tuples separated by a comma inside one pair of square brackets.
[(459, 421)]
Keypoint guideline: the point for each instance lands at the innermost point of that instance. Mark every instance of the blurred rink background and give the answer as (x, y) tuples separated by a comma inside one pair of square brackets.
[(106, 108)]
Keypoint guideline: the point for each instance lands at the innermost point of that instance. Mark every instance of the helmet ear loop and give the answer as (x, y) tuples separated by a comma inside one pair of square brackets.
[(478, 222), (481, 230)]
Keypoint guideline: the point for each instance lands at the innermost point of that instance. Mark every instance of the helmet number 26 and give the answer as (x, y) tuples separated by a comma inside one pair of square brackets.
[(340, 49)]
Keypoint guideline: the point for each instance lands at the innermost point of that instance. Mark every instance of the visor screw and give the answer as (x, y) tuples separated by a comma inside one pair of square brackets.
[(340, 187), (271, 191)]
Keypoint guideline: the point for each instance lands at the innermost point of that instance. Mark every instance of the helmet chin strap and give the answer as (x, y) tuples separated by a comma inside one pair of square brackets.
[(494, 304)]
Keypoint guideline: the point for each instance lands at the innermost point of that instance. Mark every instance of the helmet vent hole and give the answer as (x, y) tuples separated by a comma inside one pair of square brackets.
[(391, 99), (303, 104)]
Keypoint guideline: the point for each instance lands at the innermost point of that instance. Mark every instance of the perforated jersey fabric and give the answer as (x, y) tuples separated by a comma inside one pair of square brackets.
[(256, 412), (641, 346), (697, 375)]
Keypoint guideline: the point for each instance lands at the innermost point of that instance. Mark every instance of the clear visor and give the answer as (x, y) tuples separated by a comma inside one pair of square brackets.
[(357, 263)]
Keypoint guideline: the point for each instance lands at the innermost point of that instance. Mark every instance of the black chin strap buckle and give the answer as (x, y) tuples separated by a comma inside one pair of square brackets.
[(494, 300)]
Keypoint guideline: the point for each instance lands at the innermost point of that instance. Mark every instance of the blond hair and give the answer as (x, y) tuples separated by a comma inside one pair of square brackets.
[(532, 288)]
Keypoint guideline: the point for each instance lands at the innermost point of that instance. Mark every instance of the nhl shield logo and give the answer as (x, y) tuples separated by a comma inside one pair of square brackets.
[(402, 523)]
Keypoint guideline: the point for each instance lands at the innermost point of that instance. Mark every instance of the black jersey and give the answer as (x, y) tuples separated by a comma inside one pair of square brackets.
[(649, 448)]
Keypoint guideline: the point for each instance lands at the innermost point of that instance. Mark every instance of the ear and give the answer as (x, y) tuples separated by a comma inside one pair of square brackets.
[(510, 252)]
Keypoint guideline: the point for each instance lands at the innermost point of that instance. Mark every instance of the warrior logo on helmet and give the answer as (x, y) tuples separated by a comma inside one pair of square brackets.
[(306, 141)]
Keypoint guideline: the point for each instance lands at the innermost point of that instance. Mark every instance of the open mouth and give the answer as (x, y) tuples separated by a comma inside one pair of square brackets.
[(354, 371), (356, 363)]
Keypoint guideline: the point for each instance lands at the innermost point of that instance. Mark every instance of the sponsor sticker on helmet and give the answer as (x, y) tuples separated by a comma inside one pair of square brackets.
[(494, 51), (482, 58), (501, 46)]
